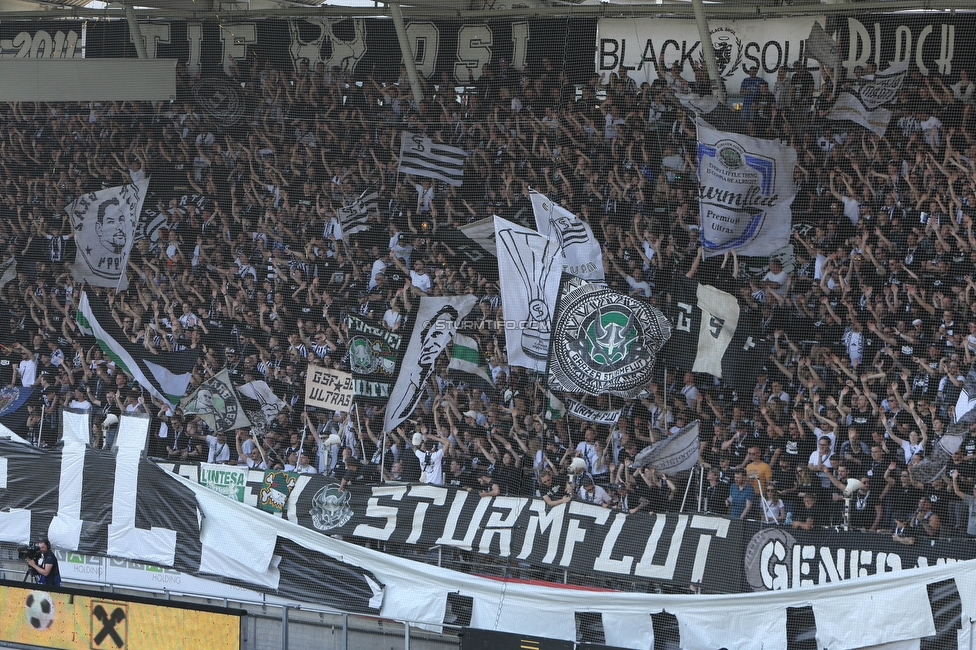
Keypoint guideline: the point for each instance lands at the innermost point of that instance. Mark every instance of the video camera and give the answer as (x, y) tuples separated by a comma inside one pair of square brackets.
[(29, 552)]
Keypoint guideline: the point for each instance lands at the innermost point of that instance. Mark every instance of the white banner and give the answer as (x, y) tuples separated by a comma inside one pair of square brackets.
[(674, 454), (328, 389), (581, 254), (745, 188), (584, 412), (434, 328), (848, 107), (528, 276), (739, 45), (105, 224)]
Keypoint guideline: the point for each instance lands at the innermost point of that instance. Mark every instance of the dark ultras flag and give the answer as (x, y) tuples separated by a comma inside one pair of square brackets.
[(713, 334)]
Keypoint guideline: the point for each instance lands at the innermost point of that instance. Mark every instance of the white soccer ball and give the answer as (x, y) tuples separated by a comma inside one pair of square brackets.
[(39, 610)]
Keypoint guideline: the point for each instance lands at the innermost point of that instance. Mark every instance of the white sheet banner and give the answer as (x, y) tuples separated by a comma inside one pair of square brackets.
[(745, 192), (849, 107), (328, 388), (581, 254), (528, 275), (638, 45)]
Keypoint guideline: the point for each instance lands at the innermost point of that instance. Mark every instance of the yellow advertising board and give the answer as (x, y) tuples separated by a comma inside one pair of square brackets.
[(74, 620)]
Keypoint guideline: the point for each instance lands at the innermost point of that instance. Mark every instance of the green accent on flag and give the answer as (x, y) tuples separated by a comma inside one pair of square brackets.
[(465, 357), (166, 376)]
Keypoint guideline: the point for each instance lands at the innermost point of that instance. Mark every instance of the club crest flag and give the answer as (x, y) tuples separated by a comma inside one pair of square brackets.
[(105, 225), (528, 277), (603, 341), (581, 254), (434, 328), (216, 403), (745, 192), (864, 104), (374, 356)]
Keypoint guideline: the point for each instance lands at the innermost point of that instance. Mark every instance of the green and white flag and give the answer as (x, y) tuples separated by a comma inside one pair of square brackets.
[(164, 375), (556, 409), (466, 358), (224, 479), (216, 403)]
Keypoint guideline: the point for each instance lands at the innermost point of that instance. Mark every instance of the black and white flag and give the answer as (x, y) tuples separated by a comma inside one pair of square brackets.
[(673, 454), (105, 225), (421, 156), (215, 402), (597, 416), (865, 105), (603, 341), (821, 47), (581, 253), (713, 335), (434, 327), (967, 397), (354, 217)]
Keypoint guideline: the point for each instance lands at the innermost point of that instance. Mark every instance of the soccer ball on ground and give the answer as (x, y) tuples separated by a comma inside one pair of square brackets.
[(39, 610)]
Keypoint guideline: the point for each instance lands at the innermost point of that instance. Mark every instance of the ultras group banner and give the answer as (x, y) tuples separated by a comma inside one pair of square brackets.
[(639, 45)]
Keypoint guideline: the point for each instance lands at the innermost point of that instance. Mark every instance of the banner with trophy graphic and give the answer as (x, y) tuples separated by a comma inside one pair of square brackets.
[(528, 273), (604, 341)]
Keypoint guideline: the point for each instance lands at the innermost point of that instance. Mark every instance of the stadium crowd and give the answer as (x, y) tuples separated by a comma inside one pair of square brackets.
[(872, 316)]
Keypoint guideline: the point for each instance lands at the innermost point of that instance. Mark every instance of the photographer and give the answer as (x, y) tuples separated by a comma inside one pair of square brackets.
[(45, 567)]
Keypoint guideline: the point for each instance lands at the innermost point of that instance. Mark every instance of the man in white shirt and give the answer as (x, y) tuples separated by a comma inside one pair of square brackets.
[(79, 401), (419, 278), (430, 457), (219, 449), (587, 449), (27, 369)]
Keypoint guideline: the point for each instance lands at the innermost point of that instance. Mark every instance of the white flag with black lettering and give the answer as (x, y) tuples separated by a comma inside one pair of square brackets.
[(422, 156), (864, 105), (433, 329), (104, 224), (581, 252), (354, 217), (745, 192), (528, 275)]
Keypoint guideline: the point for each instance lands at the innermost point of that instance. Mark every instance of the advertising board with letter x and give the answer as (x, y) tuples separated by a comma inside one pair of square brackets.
[(72, 619)]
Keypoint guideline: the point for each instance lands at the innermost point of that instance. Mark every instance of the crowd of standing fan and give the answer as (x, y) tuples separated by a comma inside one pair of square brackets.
[(873, 319)]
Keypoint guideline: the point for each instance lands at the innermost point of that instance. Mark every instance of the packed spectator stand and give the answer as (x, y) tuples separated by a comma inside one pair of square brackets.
[(872, 318)]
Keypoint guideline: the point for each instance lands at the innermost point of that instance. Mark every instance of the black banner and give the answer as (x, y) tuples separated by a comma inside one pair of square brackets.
[(359, 45), (932, 43), (577, 536), (162, 505), (375, 354)]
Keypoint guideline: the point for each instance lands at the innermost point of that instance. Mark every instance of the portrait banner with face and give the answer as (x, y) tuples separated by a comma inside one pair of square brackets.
[(105, 225), (434, 328)]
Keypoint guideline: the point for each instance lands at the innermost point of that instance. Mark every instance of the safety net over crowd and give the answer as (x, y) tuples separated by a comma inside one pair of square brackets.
[(570, 274)]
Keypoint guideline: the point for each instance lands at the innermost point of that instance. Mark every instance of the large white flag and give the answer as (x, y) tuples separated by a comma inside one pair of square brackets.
[(104, 224), (865, 104), (528, 275), (581, 254), (422, 156), (745, 188), (434, 328)]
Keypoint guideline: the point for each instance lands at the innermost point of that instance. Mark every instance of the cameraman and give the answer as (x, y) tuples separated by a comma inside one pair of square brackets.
[(46, 570)]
